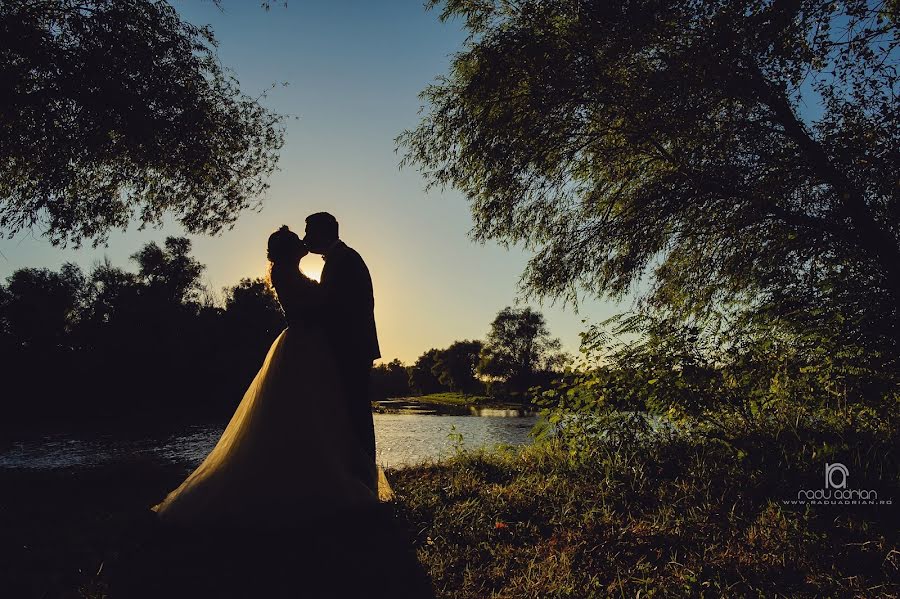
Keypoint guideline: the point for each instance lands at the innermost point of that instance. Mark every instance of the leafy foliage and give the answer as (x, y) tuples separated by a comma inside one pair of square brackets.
[(119, 108), (39, 305), (422, 378), (519, 348), (728, 160), (390, 380), (644, 371), (170, 272), (456, 366)]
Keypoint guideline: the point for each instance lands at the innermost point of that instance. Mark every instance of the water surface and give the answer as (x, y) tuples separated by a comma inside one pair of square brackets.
[(401, 439)]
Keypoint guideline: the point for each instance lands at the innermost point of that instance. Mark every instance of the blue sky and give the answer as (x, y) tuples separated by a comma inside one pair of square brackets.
[(354, 70)]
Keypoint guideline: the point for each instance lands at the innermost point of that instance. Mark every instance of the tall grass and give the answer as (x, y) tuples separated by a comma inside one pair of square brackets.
[(664, 511)]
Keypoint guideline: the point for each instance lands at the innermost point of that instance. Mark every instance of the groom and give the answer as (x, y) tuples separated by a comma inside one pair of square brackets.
[(349, 319)]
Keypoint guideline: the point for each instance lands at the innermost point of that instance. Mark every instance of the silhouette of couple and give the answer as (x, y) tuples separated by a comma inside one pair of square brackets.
[(301, 444)]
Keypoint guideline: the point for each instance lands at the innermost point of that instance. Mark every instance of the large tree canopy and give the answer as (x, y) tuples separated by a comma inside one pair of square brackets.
[(119, 108), (731, 152)]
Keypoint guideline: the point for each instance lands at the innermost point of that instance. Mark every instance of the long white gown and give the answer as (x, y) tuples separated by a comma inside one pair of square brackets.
[(288, 456)]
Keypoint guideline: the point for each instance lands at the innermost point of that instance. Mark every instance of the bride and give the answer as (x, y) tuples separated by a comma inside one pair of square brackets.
[(288, 454)]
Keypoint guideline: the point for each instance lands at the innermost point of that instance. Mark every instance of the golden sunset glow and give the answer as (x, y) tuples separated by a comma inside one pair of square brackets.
[(312, 265), (343, 161)]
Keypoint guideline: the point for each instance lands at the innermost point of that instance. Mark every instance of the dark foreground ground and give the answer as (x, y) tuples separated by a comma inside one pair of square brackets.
[(88, 533), (673, 517)]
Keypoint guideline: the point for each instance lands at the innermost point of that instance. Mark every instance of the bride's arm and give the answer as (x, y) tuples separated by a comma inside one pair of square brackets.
[(314, 295), (297, 293)]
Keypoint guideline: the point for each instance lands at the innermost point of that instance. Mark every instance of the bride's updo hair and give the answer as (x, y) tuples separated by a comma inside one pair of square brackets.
[(285, 246), (284, 252)]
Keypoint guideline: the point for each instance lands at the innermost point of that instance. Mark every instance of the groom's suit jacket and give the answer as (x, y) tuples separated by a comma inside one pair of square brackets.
[(349, 305)]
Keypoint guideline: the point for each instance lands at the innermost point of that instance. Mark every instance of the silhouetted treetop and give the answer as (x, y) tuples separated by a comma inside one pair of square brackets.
[(39, 306), (456, 366), (518, 346), (424, 377), (171, 271), (113, 109)]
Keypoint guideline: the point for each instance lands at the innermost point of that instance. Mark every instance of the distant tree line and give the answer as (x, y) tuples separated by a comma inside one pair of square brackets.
[(113, 343), (517, 357)]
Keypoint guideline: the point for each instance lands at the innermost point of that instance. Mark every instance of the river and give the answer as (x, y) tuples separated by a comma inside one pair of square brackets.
[(401, 439)]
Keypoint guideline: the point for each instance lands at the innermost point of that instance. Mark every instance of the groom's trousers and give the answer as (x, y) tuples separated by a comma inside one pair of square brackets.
[(356, 376)]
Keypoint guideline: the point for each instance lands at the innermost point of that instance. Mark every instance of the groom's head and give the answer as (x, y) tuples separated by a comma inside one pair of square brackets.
[(321, 232)]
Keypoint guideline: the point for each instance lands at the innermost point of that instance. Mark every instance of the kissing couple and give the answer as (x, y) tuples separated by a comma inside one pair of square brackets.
[(301, 444)]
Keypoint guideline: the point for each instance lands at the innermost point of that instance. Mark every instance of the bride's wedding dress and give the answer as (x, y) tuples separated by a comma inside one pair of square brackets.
[(288, 455)]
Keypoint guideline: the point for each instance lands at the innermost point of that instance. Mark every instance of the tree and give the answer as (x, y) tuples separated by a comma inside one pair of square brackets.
[(112, 310), (518, 348), (39, 310), (253, 303), (667, 142), (456, 366), (113, 108), (170, 272), (390, 380), (253, 317), (41, 307), (422, 377)]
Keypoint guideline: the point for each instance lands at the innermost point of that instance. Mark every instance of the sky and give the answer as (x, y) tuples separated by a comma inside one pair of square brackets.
[(354, 69)]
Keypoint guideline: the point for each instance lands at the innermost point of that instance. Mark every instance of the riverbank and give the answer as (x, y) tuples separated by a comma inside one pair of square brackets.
[(448, 403), (676, 517)]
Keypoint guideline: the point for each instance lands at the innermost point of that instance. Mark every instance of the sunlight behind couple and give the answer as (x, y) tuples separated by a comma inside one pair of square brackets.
[(312, 265)]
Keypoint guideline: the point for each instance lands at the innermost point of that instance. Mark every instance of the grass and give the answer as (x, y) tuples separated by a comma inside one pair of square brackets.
[(678, 518), (445, 403), (451, 399)]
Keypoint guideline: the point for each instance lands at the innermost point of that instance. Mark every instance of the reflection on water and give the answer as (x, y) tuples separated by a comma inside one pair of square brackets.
[(402, 439), (407, 439), (498, 412)]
